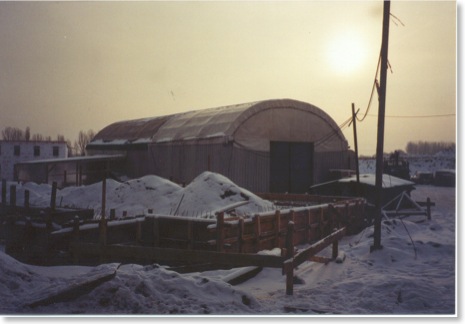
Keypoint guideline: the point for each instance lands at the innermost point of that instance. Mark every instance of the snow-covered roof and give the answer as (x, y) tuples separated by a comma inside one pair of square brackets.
[(130, 131), (389, 181), (99, 157), (247, 124)]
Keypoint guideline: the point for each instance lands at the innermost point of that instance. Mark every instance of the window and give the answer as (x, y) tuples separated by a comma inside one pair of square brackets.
[(56, 150), (16, 150), (36, 150)]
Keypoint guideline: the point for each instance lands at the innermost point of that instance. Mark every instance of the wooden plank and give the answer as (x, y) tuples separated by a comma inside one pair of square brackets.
[(168, 254), (307, 253), (242, 275), (75, 290)]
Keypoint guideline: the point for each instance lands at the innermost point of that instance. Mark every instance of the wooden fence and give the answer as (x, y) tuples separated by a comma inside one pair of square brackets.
[(312, 221), (231, 242)]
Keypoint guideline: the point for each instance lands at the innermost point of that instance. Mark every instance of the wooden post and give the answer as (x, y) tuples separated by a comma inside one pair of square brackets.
[(103, 231), (26, 198), (112, 214), (277, 224), (290, 240), (103, 237), (335, 249), (220, 232), (240, 235), (257, 231), (289, 270), (77, 175), (3, 192), (292, 216), (321, 228), (347, 221), (357, 171), (190, 235), (380, 138), (53, 197), (307, 225), (104, 196), (76, 228), (76, 237), (48, 223), (28, 231), (156, 232), (13, 196), (65, 178), (428, 208)]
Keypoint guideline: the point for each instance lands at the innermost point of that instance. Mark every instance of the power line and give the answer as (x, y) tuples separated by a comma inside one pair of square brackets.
[(372, 91)]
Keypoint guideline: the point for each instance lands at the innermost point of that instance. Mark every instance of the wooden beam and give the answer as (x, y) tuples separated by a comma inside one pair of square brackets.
[(168, 254)]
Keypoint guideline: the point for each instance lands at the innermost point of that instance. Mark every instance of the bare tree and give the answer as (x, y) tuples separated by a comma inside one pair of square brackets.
[(37, 137), (27, 134), (12, 134), (83, 139)]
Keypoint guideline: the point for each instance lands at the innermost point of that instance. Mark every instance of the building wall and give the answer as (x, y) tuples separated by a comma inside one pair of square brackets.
[(12, 152), (249, 169)]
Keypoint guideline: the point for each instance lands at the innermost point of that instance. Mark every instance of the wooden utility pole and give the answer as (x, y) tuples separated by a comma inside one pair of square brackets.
[(354, 122), (380, 143)]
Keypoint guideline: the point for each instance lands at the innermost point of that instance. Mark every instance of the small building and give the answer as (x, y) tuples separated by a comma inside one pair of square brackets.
[(392, 187), (72, 171), (266, 146), (14, 152)]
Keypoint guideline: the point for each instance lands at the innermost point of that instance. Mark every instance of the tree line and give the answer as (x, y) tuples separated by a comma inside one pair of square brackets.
[(428, 148), (77, 148)]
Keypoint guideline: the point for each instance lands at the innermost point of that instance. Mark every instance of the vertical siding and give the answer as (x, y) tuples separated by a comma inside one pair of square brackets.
[(325, 161), (183, 162), (249, 169)]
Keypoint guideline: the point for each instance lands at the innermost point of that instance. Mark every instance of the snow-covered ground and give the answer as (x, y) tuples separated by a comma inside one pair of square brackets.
[(413, 274)]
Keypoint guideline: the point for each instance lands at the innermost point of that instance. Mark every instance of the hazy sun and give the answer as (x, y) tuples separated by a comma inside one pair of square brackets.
[(346, 52)]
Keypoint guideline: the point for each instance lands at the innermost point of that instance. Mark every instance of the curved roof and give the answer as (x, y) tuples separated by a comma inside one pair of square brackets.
[(282, 119), (138, 130)]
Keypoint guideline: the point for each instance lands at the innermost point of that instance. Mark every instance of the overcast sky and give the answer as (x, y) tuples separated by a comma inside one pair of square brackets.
[(71, 66)]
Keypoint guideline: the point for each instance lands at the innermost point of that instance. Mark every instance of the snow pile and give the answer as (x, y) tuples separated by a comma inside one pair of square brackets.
[(134, 289), (133, 196), (206, 194), (212, 191)]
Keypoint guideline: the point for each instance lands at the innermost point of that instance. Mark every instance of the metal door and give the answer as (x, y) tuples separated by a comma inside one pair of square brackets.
[(291, 166)]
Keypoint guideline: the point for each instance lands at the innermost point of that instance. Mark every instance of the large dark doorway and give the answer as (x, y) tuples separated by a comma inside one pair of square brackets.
[(291, 167)]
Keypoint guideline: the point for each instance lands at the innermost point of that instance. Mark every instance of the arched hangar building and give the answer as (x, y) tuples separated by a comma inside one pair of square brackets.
[(267, 146)]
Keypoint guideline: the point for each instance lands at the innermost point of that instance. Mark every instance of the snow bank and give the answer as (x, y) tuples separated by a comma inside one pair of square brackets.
[(135, 289)]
